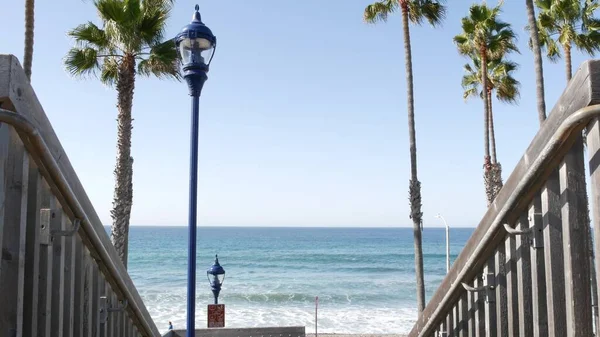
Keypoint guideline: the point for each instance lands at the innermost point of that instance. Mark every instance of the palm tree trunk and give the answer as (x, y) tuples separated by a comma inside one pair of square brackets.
[(487, 164), (568, 67), (414, 184), (491, 126), (537, 60), (28, 57), (123, 197), (496, 168)]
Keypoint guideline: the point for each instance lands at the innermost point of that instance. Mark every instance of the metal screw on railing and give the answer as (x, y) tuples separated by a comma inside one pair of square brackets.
[(512, 231)]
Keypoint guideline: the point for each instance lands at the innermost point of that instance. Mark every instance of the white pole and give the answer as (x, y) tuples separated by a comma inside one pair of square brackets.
[(447, 242)]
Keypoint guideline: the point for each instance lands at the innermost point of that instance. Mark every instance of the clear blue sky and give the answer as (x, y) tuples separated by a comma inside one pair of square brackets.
[(303, 118)]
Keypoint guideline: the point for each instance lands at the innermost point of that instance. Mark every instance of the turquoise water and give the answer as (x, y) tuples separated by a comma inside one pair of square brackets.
[(364, 277)]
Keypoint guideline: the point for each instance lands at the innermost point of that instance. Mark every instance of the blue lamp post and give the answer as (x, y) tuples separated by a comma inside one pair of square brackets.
[(216, 276), (196, 45)]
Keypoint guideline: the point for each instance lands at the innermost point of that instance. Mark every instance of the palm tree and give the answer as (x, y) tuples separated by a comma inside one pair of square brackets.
[(500, 80), (537, 60), (564, 24), (415, 11), (487, 37), (130, 42), (28, 57)]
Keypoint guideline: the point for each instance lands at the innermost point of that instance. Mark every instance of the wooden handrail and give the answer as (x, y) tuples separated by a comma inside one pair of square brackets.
[(574, 110)]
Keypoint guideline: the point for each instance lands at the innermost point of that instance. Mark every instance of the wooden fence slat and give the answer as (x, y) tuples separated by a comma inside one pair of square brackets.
[(472, 300), (456, 320), (69, 277), (501, 294), (87, 294), (554, 257), (32, 254), (512, 285), (480, 299), (58, 269), (95, 299), (78, 291), (463, 312), (523, 277), (490, 300), (13, 218), (538, 270), (45, 277), (444, 329), (110, 298), (101, 314), (4, 153), (593, 147), (575, 236), (450, 323)]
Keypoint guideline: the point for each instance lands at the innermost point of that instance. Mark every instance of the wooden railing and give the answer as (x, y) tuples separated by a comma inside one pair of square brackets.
[(281, 331), (59, 274), (525, 271)]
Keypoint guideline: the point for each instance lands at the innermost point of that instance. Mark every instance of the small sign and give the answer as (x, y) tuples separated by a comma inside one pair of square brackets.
[(216, 315)]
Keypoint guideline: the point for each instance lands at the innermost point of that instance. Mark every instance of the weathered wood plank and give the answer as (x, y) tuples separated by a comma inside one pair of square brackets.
[(593, 147), (58, 269), (575, 243), (78, 291), (523, 277), (554, 258), (491, 321), (95, 299), (35, 199), (87, 294), (444, 329), (538, 271), (501, 297), (15, 205), (583, 90), (450, 322), (512, 297), (463, 312), (101, 313), (45, 277), (480, 298), (69, 277), (472, 300), (456, 316), (22, 304), (4, 162)]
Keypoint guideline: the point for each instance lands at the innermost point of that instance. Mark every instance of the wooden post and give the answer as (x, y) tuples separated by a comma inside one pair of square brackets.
[(58, 269), (523, 277), (512, 286), (450, 323), (95, 299), (593, 146), (13, 216), (32, 255), (490, 301), (501, 293), (472, 326), (575, 243), (554, 257), (87, 294), (538, 270)]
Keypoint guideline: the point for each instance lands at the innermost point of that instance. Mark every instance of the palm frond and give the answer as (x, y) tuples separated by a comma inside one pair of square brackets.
[(379, 11), (89, 35), (82, 62), (109, 71), (162, 62)]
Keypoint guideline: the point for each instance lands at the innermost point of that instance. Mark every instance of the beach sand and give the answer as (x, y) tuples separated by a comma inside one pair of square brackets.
[(352, 335)]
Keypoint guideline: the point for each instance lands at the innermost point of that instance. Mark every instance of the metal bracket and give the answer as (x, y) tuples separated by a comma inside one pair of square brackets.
[(488, 288), (105, 310), (529, 217), (125, 304), (512, 231), (45, 215), (76, 225)]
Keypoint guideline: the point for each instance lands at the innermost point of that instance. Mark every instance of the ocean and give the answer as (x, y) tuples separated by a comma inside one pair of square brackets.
[(364, 277)]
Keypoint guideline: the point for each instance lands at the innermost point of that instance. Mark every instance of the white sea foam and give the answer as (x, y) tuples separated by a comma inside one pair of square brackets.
[(331, 319)]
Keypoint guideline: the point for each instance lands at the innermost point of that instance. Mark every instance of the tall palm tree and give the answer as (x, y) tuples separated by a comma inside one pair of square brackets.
[(416, 12), (566, 24), (486, 36), (28, 57), (129, 42), (537, 61), (500, 79)]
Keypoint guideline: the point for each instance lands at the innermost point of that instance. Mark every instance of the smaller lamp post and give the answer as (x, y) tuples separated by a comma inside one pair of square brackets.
[(439, 216), (216, 276)]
